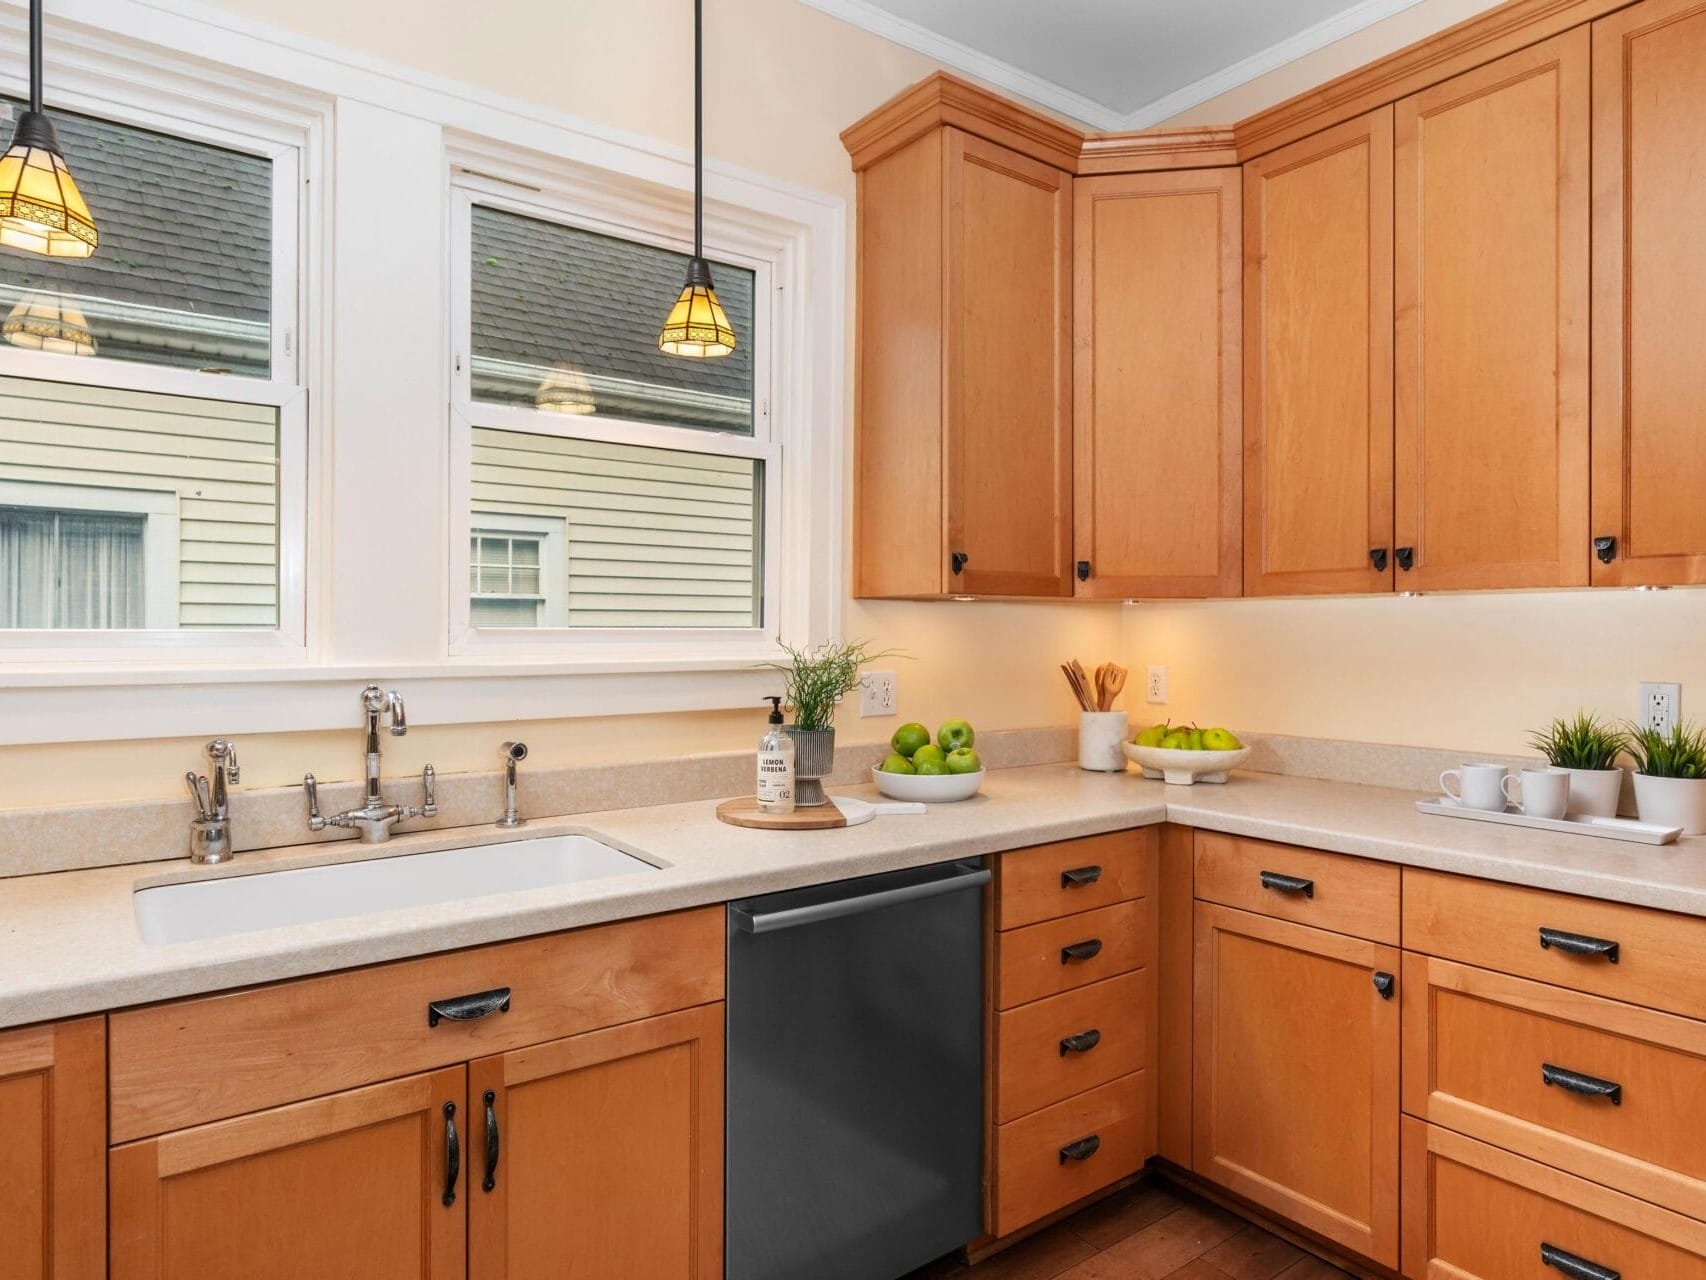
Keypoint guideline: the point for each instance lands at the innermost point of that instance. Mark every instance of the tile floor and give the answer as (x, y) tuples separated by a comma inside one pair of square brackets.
[(1149, 1232)]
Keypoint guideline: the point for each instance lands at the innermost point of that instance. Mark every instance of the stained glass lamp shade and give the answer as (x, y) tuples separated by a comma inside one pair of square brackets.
[(697, 325), (565, 390), (41, 210), (47, 322)]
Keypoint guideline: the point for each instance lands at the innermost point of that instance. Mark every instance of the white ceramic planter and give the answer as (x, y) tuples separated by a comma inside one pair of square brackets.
[(1101, 739), (1595, 792), (1672, 802)]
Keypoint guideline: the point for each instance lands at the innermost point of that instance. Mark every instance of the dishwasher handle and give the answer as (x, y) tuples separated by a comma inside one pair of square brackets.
[(748, 921)]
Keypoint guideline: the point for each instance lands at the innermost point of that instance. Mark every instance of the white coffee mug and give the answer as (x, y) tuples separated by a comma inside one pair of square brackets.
[(1543, 792), (1479, 785)]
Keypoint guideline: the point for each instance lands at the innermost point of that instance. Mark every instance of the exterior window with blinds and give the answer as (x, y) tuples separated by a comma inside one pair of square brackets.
[(607, 488)]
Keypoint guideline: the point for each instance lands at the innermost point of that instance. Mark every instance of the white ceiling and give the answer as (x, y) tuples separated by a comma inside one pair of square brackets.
[(1114, 64)]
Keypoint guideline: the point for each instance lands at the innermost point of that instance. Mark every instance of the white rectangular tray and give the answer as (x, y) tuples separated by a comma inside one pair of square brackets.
[(1575, 824)]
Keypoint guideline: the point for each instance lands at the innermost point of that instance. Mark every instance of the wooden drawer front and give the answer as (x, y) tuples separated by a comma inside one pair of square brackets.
[(1498, 926), (1344, 894), (1032, 1176), (1040, 1048), (1474, 1212), (1033, 962), (1480, 1047), (185, 1063), (1033, 884)]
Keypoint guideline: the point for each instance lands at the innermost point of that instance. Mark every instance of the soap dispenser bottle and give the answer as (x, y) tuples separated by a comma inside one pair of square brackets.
[(776, 765)]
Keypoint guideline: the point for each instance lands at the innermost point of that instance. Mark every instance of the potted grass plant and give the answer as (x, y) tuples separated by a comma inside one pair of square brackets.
[(1587, 749), (813, 682), (1670, 776)]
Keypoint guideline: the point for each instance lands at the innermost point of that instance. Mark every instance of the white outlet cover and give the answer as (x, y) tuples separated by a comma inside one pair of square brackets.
[(1155, 688), (1661, 705), (877, 693)]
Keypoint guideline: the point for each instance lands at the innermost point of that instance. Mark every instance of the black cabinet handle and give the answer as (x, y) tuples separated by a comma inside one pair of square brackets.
[(1385, 984), (958, 560), (1579, 944), (452, 1155), (1576, 1082), (1086, 950), (1083, 1149), (1288, 884), (1605, 549), (1377, 558), (1083, 571), (1078, 877), (490, 1100), (1574, 1267), (1406, 557), (469, 1008), (1083, 1042)]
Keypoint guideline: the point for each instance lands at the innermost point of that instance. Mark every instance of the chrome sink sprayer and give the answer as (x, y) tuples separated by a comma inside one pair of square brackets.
[(375, 818)]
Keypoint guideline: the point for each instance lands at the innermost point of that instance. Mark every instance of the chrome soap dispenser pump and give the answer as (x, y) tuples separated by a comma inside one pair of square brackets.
[(776, 765)]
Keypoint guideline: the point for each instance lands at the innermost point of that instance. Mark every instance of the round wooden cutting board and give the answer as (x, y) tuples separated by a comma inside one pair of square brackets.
[(745, 812)]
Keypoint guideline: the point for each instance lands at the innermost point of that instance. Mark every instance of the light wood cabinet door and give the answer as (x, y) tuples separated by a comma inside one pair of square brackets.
[(608, 1154), (351, 1184), (1318, 363), (1649, 167), (1157, 384), (53, 1139), (1491, 296), (1296, 1061), (1009, 377)]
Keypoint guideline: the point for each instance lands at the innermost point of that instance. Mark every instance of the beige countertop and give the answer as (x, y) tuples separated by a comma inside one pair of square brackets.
[(70, 942)]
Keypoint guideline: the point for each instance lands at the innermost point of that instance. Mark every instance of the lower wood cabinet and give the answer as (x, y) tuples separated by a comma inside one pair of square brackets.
[(53, 1138), (1296, 1062)]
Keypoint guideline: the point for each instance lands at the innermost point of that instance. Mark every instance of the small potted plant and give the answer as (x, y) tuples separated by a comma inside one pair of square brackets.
[(1670, 776), (1587, 749), (813, 681)]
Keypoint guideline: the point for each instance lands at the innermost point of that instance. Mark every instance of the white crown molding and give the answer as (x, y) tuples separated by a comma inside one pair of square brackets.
[(1047, 93)]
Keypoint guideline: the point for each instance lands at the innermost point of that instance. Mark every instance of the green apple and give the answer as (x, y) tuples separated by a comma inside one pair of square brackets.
[(964, 760), (1220, 740), (955, 734), (908, 738), (1152, 736), (929, 753), (894, 762), (929, 766)]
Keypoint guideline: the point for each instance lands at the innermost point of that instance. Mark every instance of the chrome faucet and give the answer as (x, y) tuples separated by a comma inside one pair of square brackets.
[(374, 819), (514, 754), (210, 830)]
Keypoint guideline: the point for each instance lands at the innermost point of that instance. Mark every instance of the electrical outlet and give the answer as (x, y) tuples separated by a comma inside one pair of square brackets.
[(1156, 689), (876, 693), (1661, 706)]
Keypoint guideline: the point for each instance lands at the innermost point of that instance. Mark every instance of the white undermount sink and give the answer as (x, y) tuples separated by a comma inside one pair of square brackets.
[(201, 909)]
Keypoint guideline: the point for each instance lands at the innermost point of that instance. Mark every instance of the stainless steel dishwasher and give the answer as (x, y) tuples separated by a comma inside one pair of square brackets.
[(855, 1075)]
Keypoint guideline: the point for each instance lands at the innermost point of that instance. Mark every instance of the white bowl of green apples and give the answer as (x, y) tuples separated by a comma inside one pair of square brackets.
[(1184, 755), (931, 769)]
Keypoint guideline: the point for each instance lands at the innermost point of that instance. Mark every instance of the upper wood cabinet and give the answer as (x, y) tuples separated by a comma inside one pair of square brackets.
[(1157, 384), (964, 442), (1649, 172), (53, 1139), (1491, 293), (1318, 363)]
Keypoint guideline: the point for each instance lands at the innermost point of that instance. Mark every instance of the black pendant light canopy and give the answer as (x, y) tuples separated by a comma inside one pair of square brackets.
[(697, 326), (41, 210)]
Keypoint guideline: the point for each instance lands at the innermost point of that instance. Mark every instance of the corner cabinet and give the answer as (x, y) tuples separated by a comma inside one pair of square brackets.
[(1157, 384), (964, 455)]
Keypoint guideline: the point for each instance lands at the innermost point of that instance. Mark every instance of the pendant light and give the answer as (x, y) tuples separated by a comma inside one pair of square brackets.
[(697, 326), (41, 210), (45, 321)]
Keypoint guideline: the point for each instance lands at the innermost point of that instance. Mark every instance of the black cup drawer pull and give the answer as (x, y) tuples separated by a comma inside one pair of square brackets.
[(1086, 950), (1083, 1042), (1083, 1149), (1288, 884), (452, 1155), (1078, 877), (1575, 1267), (1576, 1082), (1579, 944), (469, 1008)]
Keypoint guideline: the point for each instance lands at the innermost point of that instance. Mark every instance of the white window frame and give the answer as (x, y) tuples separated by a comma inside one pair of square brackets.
[(161, 556), (174, 101), (552, 536)]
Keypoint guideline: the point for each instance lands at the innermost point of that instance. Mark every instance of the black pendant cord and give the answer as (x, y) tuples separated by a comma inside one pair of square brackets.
[(35, 55), (698, 126)]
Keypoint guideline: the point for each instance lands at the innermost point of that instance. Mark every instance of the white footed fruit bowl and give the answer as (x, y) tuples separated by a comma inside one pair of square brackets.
[(928, 788), (1185, 767)]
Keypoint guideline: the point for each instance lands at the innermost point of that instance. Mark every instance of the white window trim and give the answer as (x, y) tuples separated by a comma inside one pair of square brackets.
[(551, 535)]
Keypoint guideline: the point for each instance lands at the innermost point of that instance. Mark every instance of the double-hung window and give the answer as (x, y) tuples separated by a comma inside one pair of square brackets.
[(152, 418), (604, 491)]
